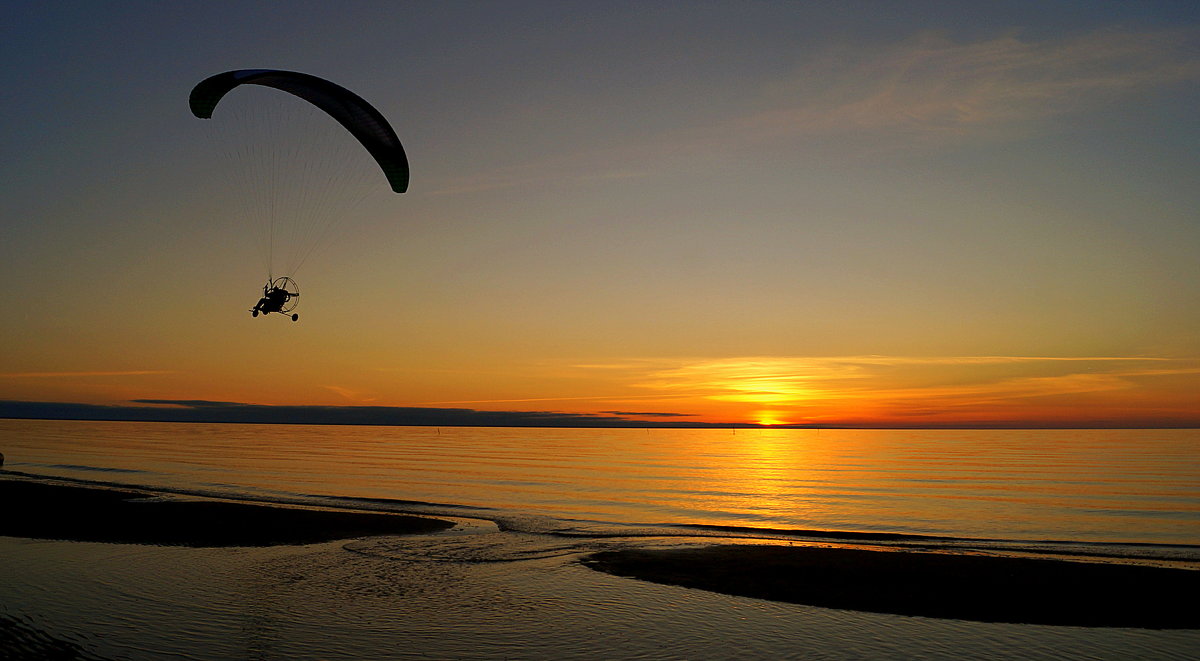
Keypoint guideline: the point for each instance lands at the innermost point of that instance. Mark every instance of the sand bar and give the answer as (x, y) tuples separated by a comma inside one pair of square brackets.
[(969, 587), (76, 513), (965, 587)]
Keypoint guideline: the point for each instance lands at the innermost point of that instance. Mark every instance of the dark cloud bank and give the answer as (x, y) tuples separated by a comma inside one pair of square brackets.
[(198, 410), (176, 410)]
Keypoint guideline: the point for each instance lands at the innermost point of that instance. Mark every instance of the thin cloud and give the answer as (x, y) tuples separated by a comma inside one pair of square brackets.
[(1008, 389), (187, 403), (654, 414), (351, 395), (932, 84), (948, 381), (925, 88), (595, 398), (55, 375)]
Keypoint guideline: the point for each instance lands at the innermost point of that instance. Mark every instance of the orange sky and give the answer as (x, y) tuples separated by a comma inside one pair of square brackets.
[(775, 214), (833, 391)]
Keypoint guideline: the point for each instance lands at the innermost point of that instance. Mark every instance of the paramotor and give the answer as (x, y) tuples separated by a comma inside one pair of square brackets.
[(279, 295), (299, 180)]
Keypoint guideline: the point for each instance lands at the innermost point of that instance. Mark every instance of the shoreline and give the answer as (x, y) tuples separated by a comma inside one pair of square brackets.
[(979, 588), (902, 581), (42, 510)]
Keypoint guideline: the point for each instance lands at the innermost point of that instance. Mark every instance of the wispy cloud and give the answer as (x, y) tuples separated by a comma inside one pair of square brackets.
[(927, 87), (652, 414), (874, 389), (55, 375), (933, 84), (590, 398), (352, 395), (905, 383)]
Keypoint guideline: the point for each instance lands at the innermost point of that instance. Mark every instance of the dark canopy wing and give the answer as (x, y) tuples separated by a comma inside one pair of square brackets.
[(351, 111)]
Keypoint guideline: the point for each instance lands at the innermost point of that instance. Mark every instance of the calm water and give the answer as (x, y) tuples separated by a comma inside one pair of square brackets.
[(511, 591), (1126, 486)]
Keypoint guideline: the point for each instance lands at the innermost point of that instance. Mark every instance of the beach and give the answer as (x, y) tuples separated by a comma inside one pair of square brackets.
[(955, 586), (147, 541), (965, 587), (95, 514), (958, 586)]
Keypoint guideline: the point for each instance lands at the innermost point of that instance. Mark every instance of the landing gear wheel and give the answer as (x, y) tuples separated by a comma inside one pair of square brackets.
[(254, 313), (295, 317)]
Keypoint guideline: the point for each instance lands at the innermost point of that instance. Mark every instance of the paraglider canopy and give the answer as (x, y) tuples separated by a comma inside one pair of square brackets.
[(363, 121)]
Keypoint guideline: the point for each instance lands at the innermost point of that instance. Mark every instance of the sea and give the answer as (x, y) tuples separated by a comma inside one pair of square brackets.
[(505, 582)]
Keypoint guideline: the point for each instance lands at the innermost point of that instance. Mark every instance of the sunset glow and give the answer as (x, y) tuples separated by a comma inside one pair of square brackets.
[(599, 329), (810, 218), (769, 418)]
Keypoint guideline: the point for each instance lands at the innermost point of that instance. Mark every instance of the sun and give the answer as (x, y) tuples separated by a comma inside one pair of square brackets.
[(769, 418)]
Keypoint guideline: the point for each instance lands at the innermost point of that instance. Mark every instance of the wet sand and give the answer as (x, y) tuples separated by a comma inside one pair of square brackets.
[(22, 642), (964, 587), (75, 513)]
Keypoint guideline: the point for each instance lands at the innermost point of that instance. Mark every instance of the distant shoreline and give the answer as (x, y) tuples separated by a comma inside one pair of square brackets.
[(232, 413)]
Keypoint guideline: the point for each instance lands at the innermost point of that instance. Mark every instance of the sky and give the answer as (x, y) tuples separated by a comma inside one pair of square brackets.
[(859, 213)]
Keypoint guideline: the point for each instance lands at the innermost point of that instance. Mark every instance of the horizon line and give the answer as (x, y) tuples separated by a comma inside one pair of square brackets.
[(203, 411)]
